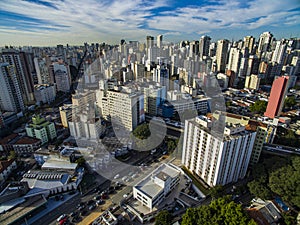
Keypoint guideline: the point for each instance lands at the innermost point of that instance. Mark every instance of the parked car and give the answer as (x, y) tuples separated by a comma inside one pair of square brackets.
[(92, 207)]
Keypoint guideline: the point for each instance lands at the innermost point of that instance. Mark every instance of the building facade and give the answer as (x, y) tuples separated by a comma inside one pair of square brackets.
[(216, 160), (41, 129), (277, 96)]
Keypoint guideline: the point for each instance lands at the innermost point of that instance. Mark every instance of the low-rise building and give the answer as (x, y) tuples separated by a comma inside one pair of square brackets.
[(41, 129), (153, 189), (6, 167), (20, 144)]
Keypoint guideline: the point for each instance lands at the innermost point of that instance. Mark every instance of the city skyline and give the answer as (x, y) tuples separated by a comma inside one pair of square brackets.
[(49, 22)]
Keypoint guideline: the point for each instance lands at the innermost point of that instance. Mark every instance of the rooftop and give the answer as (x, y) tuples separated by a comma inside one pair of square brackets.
[(148, 185)]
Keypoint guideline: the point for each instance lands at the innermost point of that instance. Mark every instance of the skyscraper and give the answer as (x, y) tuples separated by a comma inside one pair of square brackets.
[(234, 60), (24, 76), (10, 93), (218, 161), (204, 46), (159, 41), (277, 96), (221, 54), (149, 42), (249, 42), (264, 43)]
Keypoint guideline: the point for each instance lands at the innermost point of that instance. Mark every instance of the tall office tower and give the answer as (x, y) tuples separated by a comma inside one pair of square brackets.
[(277, 96), (159, 40), (221, 54), (62, 76), (126, 109), (194, 48), (216, 160), (264, 43), (249, 42), (149, 42), (10, 93), (154, 96), (279, 52), (61, 52), (204, 44), (18, 60), (234, 60)]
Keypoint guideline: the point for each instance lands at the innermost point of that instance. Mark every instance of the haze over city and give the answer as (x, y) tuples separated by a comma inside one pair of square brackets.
[(51, 22)]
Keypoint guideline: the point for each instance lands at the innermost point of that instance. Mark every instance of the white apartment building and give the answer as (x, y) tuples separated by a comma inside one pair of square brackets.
[(44, 93), (217, 161), (252, 82), (84, 126), (126, 107), (62, 77), (153, 189)]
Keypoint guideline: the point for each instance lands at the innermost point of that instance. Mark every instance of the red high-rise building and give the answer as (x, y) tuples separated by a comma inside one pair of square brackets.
[(277, 96)]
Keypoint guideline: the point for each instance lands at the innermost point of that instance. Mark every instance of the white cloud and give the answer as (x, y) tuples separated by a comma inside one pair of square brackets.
[(111, 20)]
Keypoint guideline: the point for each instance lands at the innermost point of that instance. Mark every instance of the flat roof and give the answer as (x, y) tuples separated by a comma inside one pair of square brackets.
[(23, 209), (149, 187), (56, 164)]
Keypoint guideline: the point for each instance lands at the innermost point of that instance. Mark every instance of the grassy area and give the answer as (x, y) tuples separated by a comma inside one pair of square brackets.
[(196, 181)]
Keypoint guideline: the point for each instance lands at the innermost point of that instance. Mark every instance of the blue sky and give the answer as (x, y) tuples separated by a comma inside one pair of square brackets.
[(51, 22)]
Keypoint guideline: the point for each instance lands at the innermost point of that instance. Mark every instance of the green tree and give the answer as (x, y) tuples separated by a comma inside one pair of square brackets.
[(163, 218), (286, 182), (216, 191), (290, 102), (259, 189), (80, 161), (220, 211), (142, 131), (259, 106), (12, 154)]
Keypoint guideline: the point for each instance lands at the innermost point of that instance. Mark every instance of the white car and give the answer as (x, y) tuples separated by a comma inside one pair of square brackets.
[(117, 176)]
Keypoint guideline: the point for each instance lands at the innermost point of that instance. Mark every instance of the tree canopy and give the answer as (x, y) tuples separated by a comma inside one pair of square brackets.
[(259, 106), (163, 218), (142, 131), (220, 211), (277, 176), (290, 102)]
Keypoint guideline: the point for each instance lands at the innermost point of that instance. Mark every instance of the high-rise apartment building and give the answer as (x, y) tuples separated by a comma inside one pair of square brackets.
[(126, 108), (204, 44), (216, 160), (252, 82), (11, 98), (24, 76), (159, 41), (277, 96), (221, 54), (149, 42), (264, 43), (249, 42), (62, 77), (234, 60), (279, 52)]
